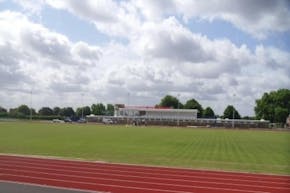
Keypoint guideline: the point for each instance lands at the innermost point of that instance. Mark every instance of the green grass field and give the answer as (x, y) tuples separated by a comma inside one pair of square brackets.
[(220, 149)]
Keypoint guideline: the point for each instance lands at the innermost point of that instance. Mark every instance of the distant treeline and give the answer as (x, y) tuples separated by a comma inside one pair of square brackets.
[(47, 113), (273, 106)]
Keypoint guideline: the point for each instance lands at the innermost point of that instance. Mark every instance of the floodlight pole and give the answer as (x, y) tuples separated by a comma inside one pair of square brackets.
[(128, 116), (178, 110), (233, 123), (31, 105), (82, 106)]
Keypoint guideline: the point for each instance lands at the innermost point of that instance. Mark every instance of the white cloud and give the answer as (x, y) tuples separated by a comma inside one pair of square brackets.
[(110, 17), (256, 17), (162, 57), (122, 18), (170, 40), (155, 9), (34, 55), (189, 53), (31, 6), (100, 10), (273, 58)]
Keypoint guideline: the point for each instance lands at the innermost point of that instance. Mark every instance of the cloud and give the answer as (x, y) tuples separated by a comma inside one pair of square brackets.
[(41, 42), (170, 40), (31, 6), (100, 10), (155, 9), (110, 17), (273, 58), (85, 53), (189, 53), (258, 18), (33, 55), (161, 56)]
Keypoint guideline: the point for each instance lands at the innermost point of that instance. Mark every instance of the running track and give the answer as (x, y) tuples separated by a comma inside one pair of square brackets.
[(121, 178)]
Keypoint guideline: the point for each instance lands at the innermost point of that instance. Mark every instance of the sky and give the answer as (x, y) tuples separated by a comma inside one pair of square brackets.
[(76, 53)]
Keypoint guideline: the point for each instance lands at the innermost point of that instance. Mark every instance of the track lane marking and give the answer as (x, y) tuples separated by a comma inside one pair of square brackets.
[(29, 169), (89, 183), (55, 187), (136, 169), (151, 168), (113, 185), (142, 173)]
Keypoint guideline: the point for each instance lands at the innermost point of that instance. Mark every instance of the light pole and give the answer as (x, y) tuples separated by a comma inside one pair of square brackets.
[(178, 109), (82, 106), (128, 112), (233, 123), (31, 105)]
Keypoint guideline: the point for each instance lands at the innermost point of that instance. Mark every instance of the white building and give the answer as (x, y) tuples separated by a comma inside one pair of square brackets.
[(288, 121), (156, 113)]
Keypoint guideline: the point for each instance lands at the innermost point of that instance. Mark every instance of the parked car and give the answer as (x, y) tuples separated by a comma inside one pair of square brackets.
[(57, 121), (107, 121), (82, 121), (67, 120)]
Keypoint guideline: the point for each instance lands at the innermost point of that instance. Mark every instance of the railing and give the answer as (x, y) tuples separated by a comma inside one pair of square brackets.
[(239, 123)]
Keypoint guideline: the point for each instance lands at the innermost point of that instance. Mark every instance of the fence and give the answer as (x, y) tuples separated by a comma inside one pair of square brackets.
[(226, 123)]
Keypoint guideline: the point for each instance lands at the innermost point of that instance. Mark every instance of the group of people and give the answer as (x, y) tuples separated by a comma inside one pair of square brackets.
[(138, 122)]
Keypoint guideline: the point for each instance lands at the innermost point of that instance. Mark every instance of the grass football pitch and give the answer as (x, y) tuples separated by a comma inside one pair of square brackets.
[(218, 149)]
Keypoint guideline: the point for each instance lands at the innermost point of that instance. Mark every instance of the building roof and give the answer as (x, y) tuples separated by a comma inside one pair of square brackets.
[(153, 109)]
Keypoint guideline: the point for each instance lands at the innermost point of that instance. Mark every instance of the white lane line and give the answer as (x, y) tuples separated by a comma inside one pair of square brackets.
[(161, 169), (127, 173), (142, 167), (92, 168), (109, 177), (96, 184), (132, 181)]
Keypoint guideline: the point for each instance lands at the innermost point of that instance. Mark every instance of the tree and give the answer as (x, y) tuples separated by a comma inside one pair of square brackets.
[(281, 115), (230, 112), (45, 111), (67, 112), (23, 110), (170, 101), (208, 113), (193, 104), (110, 110), (3, 112), (274, 106), (56, 111), (98, 109), (33, 111), (249, 118), (12, 112), (83, 111)]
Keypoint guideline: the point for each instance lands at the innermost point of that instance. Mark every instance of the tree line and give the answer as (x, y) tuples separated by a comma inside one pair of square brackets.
[(172, 102), (23, 111), (273, 106)]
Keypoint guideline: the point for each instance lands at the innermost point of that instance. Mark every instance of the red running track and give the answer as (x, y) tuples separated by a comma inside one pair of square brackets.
[(121, 178)]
